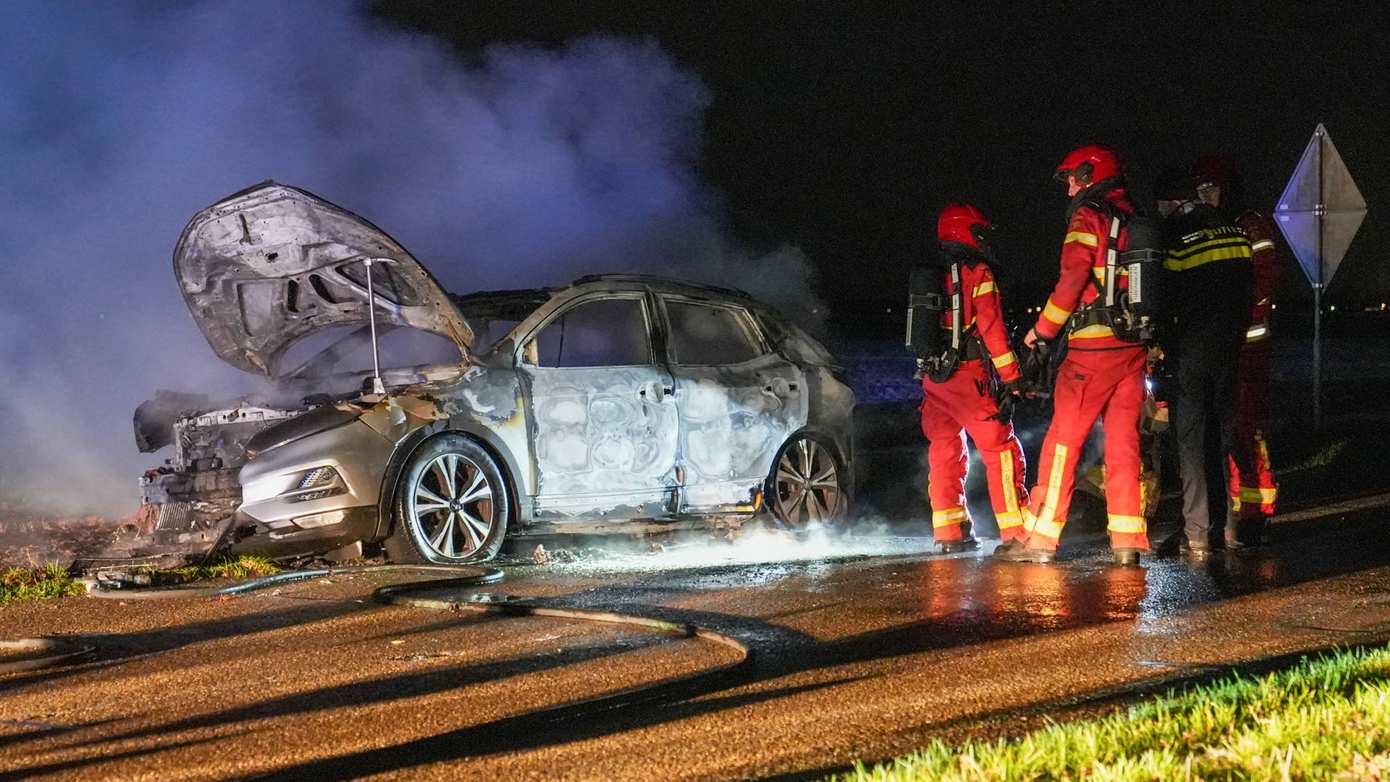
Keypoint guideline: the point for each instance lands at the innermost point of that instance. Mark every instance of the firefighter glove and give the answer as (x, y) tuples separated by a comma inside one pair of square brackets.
[(1006, 396)]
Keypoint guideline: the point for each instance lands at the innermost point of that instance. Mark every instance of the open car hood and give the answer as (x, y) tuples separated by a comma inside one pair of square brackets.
[(267, 266)]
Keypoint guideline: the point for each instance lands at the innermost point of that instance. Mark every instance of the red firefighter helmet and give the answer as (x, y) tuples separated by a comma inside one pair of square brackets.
[(963, 224), (1089, 164)]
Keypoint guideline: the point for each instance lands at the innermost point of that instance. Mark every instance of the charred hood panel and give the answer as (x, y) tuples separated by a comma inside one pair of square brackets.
[(267, 266)]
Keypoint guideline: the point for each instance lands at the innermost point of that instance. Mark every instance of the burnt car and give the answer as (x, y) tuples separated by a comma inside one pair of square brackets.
[(435, 425)]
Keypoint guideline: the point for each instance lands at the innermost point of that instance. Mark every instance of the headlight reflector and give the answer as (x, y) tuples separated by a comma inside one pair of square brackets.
[(316, 484)]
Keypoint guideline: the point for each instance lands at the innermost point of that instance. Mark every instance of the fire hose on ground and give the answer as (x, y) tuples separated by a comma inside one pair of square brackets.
[(408, 594)]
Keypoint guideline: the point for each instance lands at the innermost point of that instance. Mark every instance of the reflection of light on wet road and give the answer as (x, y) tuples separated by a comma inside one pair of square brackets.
[(983, 593)]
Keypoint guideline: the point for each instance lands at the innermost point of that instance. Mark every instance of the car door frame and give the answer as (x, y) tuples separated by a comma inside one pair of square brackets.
[(656, 500), (768, 387)]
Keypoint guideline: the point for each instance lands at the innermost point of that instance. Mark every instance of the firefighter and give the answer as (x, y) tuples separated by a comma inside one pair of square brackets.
[(1101, 375), (965, 401), (1208, 261), (1252, 488)]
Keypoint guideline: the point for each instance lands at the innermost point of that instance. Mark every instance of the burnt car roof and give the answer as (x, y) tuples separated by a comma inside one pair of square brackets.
[(516, 304), (504, 304), (665, 282)]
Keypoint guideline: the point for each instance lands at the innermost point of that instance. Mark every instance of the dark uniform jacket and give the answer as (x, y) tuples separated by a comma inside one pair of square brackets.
[(1209, 277)]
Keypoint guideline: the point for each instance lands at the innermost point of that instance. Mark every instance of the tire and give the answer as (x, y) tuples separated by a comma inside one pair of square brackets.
[(451, 506), (806, 485)]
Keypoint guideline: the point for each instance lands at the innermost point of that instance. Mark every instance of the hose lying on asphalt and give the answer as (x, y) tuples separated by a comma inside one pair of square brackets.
[(407, 594), (58, 653), (64, 652), (404, 595), (485, 576), (401, 595)]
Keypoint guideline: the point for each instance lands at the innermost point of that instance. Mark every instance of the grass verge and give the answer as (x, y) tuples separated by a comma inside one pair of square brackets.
[(244, 566), (35, 583), (1324, 719)]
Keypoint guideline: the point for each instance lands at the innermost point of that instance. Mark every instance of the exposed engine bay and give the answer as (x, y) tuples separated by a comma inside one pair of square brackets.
[(188, 499)]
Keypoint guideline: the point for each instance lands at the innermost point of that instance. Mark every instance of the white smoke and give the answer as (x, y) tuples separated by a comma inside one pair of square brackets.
[(523, 167)]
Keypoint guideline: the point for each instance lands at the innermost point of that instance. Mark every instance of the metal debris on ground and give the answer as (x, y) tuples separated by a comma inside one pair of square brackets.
[(543, 556)]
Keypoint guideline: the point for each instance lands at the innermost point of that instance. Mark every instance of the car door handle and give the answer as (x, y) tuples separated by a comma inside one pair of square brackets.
[(655, 391), (779, 388)]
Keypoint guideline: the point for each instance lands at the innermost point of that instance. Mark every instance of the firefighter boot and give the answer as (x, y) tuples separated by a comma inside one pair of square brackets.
[(1018, 551)]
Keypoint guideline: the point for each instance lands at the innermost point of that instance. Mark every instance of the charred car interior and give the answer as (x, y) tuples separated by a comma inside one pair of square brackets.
[(434, 425)]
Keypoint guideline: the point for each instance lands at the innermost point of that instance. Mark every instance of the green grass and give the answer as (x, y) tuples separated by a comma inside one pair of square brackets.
[(35, 583), (1324, 719), (244, 566)]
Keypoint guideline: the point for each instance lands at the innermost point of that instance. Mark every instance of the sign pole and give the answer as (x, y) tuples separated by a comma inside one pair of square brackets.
[(1320, 213), (1317, 357)]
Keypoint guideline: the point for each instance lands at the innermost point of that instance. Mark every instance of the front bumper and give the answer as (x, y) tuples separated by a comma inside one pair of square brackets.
[(281, 515), (343, 527)]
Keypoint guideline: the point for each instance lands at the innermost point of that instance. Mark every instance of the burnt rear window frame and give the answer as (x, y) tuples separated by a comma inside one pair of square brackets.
[(752, 327)]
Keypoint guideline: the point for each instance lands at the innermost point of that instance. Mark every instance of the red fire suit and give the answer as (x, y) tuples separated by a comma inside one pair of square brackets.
[(1101, 377), (1253, 490), (963, 404)]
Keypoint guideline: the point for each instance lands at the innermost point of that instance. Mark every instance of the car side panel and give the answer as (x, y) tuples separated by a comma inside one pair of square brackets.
[(733, 420)]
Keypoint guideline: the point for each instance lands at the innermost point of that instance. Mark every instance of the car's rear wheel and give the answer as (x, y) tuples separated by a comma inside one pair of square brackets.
[(807, 484), (452, 504)]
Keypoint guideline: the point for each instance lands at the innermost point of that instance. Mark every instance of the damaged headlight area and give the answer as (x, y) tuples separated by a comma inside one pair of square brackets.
[(316, 484)]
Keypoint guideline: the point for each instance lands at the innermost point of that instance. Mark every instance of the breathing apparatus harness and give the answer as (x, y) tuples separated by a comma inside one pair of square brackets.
[(1131, 314), (937, 356)]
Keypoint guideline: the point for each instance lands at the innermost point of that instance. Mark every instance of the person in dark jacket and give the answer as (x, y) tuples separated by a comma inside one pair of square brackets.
[(1253, 490), (1210, 277)]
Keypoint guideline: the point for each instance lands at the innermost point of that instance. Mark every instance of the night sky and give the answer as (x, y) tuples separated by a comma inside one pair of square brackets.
[(841, 128)]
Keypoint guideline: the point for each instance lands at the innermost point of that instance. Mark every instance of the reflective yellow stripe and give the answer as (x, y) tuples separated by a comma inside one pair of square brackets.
[(1093, 331), (1056, 314), (1129, 524), (1257, 333), (1047, 529), (1260, 495), (1222, 252), (1207, 244), (1263, 244), (1045, 525), (985, 287), (1081, 237), (1099, 272), (946, 518), (1006, 480), (1003, 361), (1009, 520)]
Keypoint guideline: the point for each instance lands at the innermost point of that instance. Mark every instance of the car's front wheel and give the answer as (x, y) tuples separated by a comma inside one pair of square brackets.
[(807, 484), (451, 506)]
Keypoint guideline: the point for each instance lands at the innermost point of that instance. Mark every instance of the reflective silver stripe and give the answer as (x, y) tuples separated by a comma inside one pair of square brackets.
[(1263, 244), (1255, 332)]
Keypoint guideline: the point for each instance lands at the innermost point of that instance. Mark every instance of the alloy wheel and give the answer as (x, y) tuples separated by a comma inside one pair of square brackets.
[(806, 484), (451, 506)]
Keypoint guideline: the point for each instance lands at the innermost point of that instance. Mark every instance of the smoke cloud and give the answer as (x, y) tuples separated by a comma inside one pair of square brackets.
[(521, 167)]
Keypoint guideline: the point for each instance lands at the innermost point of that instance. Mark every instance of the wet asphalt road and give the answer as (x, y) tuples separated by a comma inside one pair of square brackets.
[(867, 656)]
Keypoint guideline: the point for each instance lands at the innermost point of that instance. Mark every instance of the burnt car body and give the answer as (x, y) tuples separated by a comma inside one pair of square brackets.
[(615, 400)]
